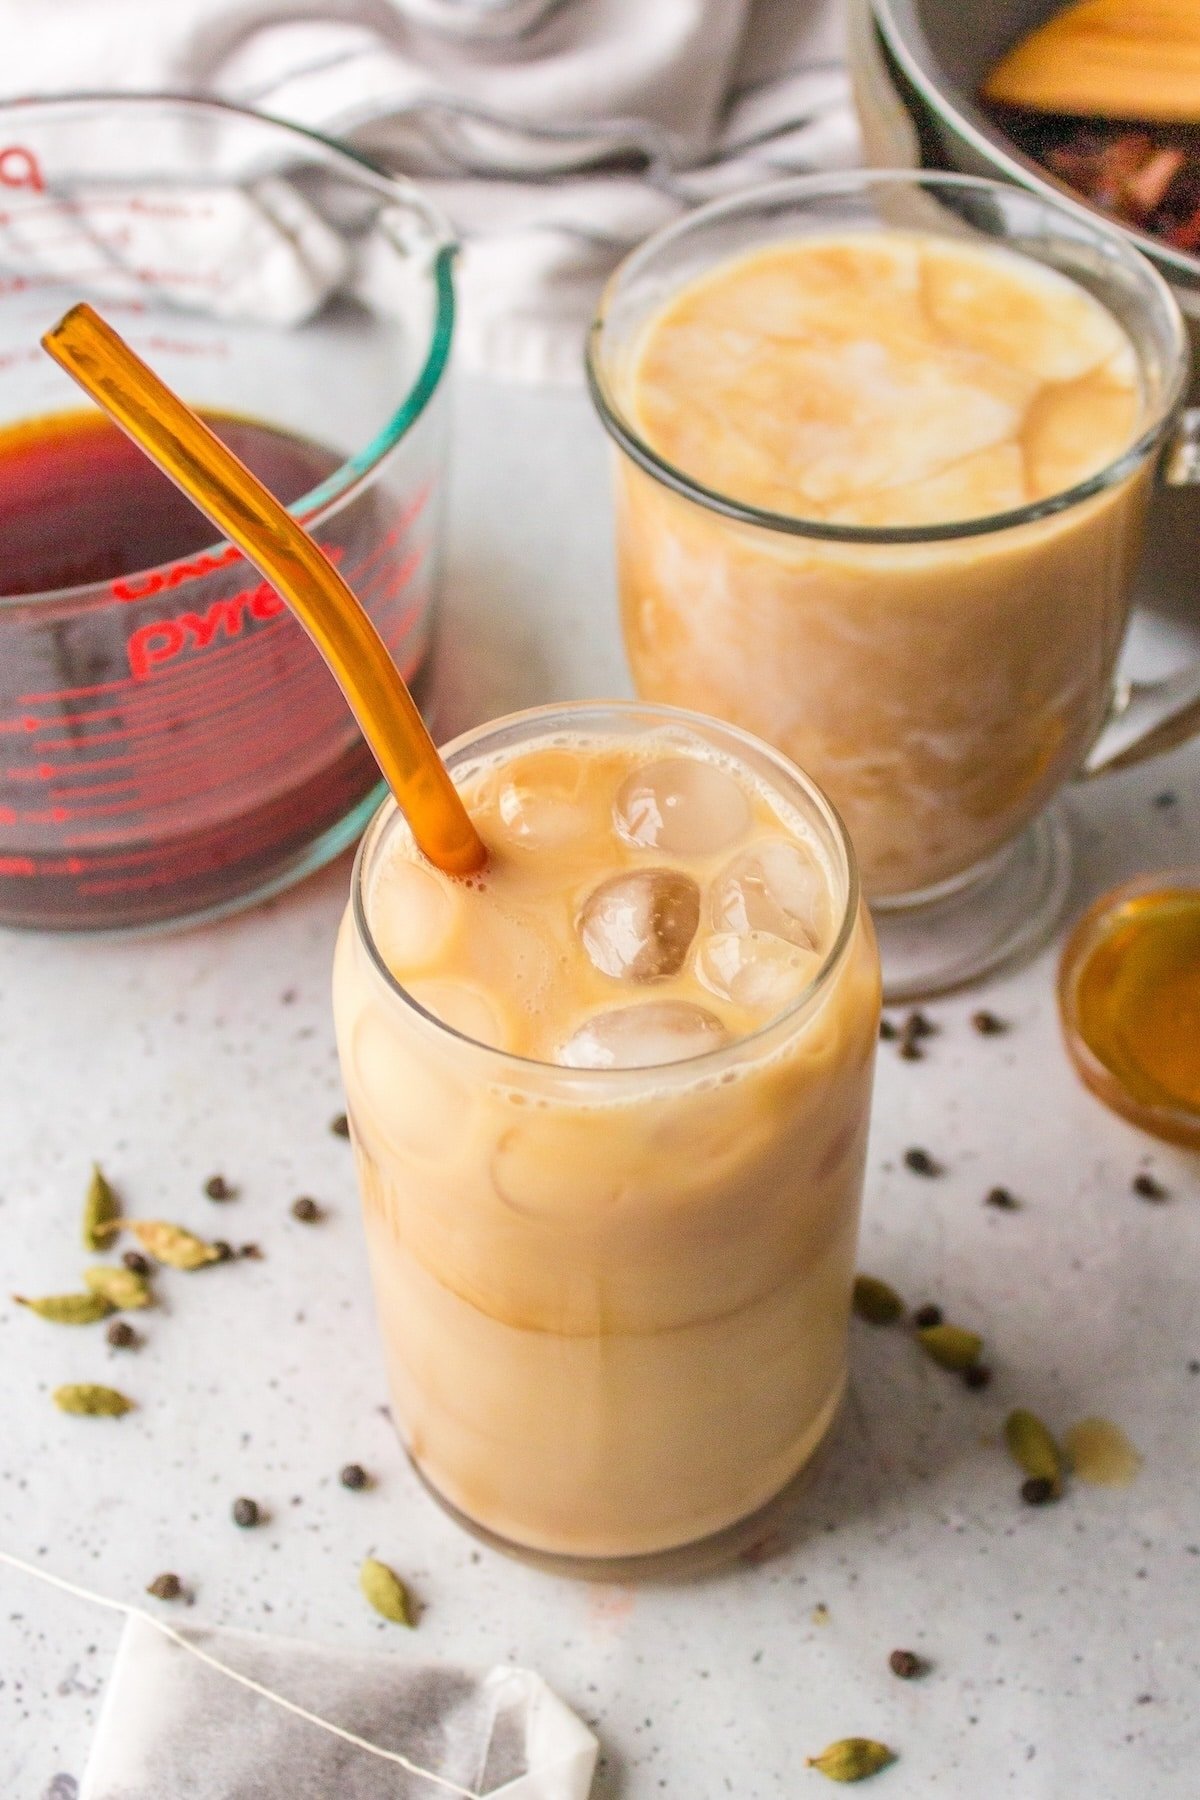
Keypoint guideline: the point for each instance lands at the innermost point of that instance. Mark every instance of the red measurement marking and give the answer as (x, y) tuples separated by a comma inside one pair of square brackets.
[(17, 865), (19, 168), (187, 569)]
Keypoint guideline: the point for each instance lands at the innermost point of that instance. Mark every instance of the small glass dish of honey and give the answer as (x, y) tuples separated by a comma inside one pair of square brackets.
[(1129, 997)]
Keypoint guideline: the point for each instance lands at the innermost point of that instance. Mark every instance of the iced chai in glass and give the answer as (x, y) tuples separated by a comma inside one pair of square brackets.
[(932, 640), (609, 1108)]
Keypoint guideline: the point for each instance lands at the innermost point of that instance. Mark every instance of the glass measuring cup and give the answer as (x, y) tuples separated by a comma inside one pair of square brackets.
[(171, 744)]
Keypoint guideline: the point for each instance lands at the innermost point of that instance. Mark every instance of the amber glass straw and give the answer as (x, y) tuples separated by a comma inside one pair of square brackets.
[(241, 508)]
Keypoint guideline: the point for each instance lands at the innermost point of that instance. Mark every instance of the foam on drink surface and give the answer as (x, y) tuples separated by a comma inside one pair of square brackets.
[(885, 379), (644, 903)]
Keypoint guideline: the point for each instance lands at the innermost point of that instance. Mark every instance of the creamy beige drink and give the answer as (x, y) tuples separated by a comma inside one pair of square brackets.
[(609, 1107), (861, 383)]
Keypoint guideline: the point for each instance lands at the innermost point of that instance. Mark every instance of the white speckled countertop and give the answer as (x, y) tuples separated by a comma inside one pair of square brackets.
[(1063, 1640)]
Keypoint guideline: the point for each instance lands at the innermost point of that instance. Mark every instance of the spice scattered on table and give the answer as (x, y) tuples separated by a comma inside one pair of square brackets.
[(340, 1126), (852, 1759), (384, 1590), (134, 1260), (217, 1188), (245, 1512), (987, 1024), (921, 1163), (917, 1027), (927, 1315), (165, 1587), (173, 1245), (67, 1309), (122, 1336), (251, 1251), (1037, 1490), (1002, 1199), (1147, 1187), (122, 1288), (951, 1346), (1032, 1446), (907, 1664), (222, 1250), (306, 1209), (1099, 1452), (876, 1302), (89, 1399), (820, 1613), (354, 1476), (101, 1211), (977, 1376), (888, 1031)]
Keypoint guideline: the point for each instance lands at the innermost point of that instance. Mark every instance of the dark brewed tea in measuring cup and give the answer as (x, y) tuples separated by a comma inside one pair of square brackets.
[(171, 744)]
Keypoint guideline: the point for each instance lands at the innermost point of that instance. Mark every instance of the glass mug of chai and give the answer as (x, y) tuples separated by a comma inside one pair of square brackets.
[(609, 1105), (885, 448)]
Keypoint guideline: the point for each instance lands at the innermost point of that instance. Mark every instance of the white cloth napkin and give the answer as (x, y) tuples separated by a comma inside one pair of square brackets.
[(555, 133), (174, 1728)]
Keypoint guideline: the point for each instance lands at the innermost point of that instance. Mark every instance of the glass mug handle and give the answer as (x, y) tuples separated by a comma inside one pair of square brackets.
[(1149, 717)]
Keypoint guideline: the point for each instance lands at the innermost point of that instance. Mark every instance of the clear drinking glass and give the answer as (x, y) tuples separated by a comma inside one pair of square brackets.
[(613, 1302), (173, 744), (941, 682)]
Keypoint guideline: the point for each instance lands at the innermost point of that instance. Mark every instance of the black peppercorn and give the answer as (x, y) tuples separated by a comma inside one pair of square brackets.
[(217, 1188), (165, 1587), (121, 1335), (1037, 1490), (245, 1512), (1001, 1197), (906, 1664), (927, 1315), (305, 1209), (1147, 1188), (921, 1163), (134, 1260), (976, 1377), (353, 1476), (887, 1030), (987, 1024), (340, 1126)]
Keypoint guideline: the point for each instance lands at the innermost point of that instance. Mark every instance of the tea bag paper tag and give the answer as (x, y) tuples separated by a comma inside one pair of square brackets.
[(174, 1725)]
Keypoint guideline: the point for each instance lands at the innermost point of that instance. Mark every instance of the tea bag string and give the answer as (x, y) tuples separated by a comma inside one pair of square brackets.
[(255, 1687)]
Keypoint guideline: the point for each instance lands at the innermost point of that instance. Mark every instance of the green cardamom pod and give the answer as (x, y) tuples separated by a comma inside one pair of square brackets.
[(1098, 1451), (123, 1289), (101, 1211), (1032, 1447), (852, 1759), (173, 1245), (68, 1309), (386, 1592), (876, 1302), (951, 1347), (91, 1400)]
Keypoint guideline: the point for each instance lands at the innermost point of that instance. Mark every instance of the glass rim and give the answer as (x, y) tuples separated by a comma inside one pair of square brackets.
[(353, 473), (800, 187), (558, 714)]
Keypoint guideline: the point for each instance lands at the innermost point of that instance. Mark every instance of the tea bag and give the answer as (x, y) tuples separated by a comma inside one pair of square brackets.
[(173, 1724)]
